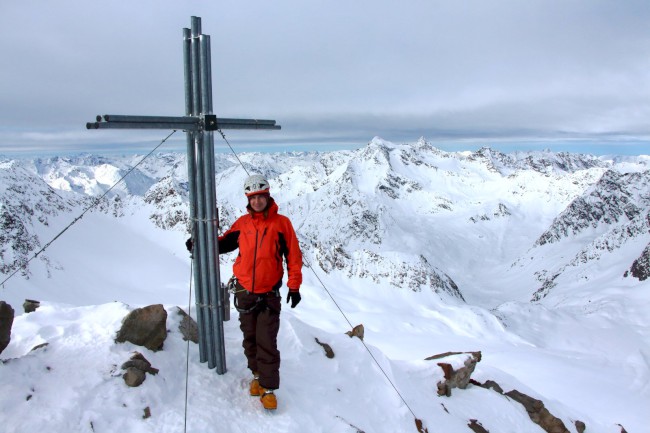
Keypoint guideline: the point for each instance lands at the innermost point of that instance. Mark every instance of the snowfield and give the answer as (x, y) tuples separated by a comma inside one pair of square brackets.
[(431, 251)]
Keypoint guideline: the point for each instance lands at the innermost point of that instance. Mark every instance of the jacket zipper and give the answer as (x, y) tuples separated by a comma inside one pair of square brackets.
[(254, 262), (255, 254)]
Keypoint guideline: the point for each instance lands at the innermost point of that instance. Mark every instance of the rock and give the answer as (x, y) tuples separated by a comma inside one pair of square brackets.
[(30, 305), (134, 376), (580, 426), (421, 428), (328, 350), (140, 362), (135, 370), (40, 346), (489, 384), (538, 413), (357, 331), (476, 427), (145, 327), (6, 322), (456, 378), (188, 327)]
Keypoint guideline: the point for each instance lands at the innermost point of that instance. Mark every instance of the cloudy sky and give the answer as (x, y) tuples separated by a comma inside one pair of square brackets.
[(334, 74)]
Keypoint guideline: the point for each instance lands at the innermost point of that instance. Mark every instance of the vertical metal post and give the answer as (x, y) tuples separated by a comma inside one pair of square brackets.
[(198, 101), (216, 300), (202, 181), (191, 176)]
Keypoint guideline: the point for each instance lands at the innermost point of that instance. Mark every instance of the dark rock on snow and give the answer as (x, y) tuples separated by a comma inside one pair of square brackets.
[(145, 327), (6, 321)]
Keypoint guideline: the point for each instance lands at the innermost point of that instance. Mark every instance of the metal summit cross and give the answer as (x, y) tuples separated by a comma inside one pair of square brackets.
[(199, 123)]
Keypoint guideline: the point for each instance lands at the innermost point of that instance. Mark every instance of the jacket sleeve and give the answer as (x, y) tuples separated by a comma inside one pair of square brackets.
[(293, 257), (229, 241)]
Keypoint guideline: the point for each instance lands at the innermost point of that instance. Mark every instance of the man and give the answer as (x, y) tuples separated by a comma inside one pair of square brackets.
[(263, 237)]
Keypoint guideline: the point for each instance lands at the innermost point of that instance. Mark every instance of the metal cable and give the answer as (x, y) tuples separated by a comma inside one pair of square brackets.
[(93, 205), (233, 150), (362, 342)]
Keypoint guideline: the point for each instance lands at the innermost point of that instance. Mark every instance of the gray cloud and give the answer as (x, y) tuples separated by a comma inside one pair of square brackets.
[(331, 72)]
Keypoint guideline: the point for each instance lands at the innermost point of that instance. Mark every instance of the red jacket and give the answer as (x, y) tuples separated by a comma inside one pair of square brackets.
[(263, 239)]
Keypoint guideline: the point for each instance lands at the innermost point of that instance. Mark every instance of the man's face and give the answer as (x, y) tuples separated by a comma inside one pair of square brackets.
[(258, 202)]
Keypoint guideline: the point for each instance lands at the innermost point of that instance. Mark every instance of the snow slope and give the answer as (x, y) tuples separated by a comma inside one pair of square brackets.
[(431, 251)]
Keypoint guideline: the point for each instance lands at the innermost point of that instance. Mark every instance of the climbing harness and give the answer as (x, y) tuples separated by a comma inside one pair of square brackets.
[(260, 299)]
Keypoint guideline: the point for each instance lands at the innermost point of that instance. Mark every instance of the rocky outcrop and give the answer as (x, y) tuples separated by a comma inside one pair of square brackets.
[(538, 413), (457, 375), (145, 327), (188, 327), (6, 322), (641, 267), (616, 197), (536, 410), (169, 197)]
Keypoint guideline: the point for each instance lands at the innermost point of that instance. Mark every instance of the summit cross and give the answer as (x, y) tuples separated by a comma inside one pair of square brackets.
[(199, 124)]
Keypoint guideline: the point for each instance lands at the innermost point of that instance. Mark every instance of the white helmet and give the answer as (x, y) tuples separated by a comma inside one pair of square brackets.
[(256, 184)]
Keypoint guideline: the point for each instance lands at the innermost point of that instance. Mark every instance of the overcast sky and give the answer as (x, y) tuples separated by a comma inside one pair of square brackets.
[(333, 73)]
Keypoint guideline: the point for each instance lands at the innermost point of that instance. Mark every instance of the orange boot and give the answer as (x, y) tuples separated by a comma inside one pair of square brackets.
[(268, 399), (255, 388)]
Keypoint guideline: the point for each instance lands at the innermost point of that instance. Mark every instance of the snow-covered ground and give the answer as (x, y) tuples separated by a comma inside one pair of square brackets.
[(584, 349)]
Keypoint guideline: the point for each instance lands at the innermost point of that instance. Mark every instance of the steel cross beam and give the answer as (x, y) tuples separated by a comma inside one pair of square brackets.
[(207, 122), (198, 123)]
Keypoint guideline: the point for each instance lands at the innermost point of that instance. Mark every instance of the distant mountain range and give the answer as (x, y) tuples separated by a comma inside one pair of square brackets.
[(411, 217)]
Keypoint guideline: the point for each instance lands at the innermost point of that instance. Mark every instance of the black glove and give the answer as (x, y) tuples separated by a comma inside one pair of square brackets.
[(294, 297), (189, 244)]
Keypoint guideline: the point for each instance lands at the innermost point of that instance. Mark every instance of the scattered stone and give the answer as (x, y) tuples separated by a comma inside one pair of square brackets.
[(188, 327), (39, 346), (136, 369), (489, 384), (476, 427), (580, 426), (147, 413), (459, 378), (140, 362), (538, 413), (145, 327), (622, 428), (420, 426), (328, 349), (357, 331), (6, 322), (134, 377), (31, 305)]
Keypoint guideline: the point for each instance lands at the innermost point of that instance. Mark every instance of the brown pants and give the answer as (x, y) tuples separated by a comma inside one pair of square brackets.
[(260, 326)]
